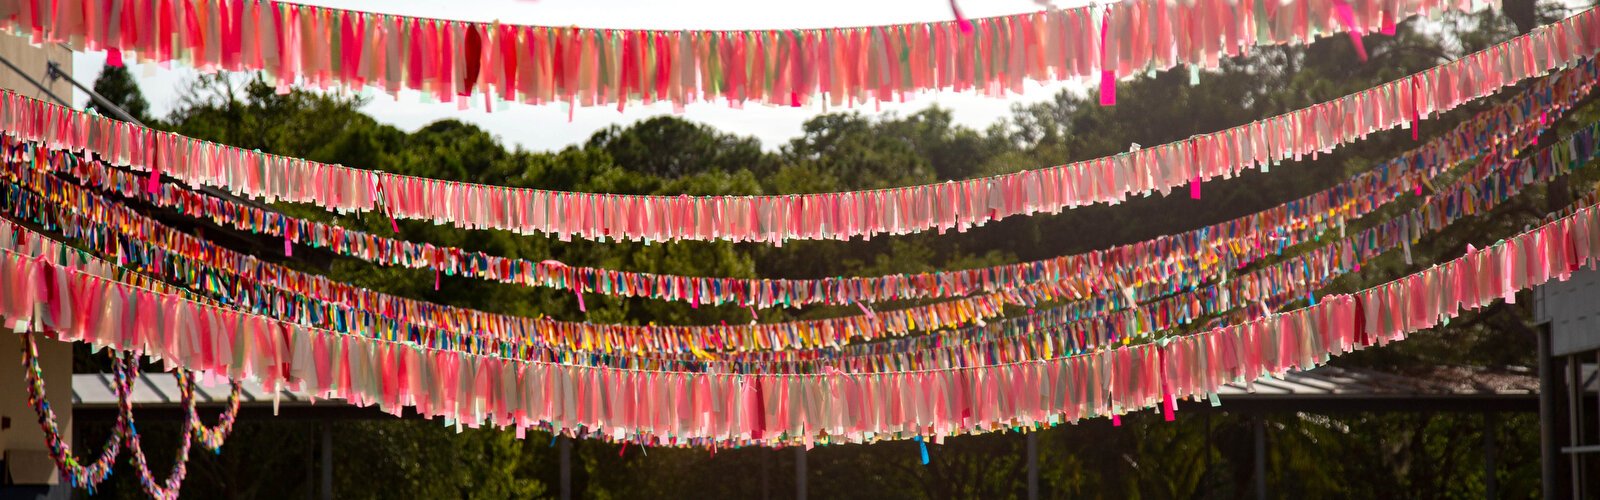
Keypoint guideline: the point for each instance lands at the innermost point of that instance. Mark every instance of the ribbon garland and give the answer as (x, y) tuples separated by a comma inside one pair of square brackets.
[(1226, 245), (177, 252), (160, 490), (1019, 339), (773, 219), (454, 60), (695, 409), (124, 370), (211, 437), (76, 474)]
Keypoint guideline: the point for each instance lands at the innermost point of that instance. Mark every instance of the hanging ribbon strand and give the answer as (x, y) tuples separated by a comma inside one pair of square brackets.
[(1225, 245), (169, 488), (839, 216), (1085, 324), (1068, 329), (210, 437), (696, 409), (76, 474), (455, 60)]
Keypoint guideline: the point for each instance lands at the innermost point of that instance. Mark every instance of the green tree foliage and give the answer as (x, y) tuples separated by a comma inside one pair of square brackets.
[(117, 86), (1205, 454)]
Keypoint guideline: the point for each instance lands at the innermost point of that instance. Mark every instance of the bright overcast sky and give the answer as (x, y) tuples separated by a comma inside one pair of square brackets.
[(547, 127)]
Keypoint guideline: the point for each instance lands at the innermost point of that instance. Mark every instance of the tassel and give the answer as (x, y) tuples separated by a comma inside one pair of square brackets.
[(1108, 78), (1108, 88), (153, 183), (1170, 406), (435, 280), (288, 249), (867, 311), (1346, 16), (966, 24), (1194, 188), (923, 446)]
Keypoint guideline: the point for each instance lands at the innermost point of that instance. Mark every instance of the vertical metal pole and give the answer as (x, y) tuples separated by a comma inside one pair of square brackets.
[(327, 461), (1491, 484), (1575, 387), (565, 445), (1261, 457), (1205, 476), (1549, 453), (800, 472), (1033, 465), (311, 466)]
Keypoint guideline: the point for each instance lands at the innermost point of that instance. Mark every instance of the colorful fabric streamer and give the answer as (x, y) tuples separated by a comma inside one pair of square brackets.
[(1020, 339), (455, 60), (75, 473), (1170, 260), (660, 408), (844, 215)]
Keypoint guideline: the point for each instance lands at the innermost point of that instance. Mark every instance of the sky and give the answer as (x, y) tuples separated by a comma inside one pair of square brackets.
[(548, 127)]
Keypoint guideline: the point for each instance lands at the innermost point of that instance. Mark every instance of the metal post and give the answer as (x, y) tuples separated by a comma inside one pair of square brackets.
[(565, 445), (1575, 387), (1033, 465), (327, 461), (1205, 475), (29, 78), (1491, 484), (800, 472), (766, 472), (1261, 457), (1549, 453), (311, 466)]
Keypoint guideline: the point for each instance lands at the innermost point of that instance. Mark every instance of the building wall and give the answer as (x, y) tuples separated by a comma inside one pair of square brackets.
[(22, 443), (32, 60), (1572, 308)]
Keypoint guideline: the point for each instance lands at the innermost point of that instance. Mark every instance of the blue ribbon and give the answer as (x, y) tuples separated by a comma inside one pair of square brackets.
[(924, 446)]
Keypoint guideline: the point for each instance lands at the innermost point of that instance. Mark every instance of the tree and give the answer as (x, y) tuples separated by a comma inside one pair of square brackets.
[(117, 85)]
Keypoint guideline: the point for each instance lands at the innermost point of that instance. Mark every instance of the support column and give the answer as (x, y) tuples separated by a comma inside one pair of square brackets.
[(1491, 484), (1260, 424), (327, 461), (766, 471), (800, 472), (565, 444), (1549, 449), (1033, 465), (1575, 438)]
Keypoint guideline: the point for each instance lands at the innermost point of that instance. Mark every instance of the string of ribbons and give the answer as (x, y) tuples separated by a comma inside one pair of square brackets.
[(455, 60), (1165, 262), (1480, 189), (662, 408), (842, 215)]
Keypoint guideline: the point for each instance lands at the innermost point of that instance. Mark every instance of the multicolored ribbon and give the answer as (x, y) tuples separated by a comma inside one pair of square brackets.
[(660, 408), (1495, 179), (166, 489), (844, 215), (454, 60), (1169, 261), (76, 474)]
